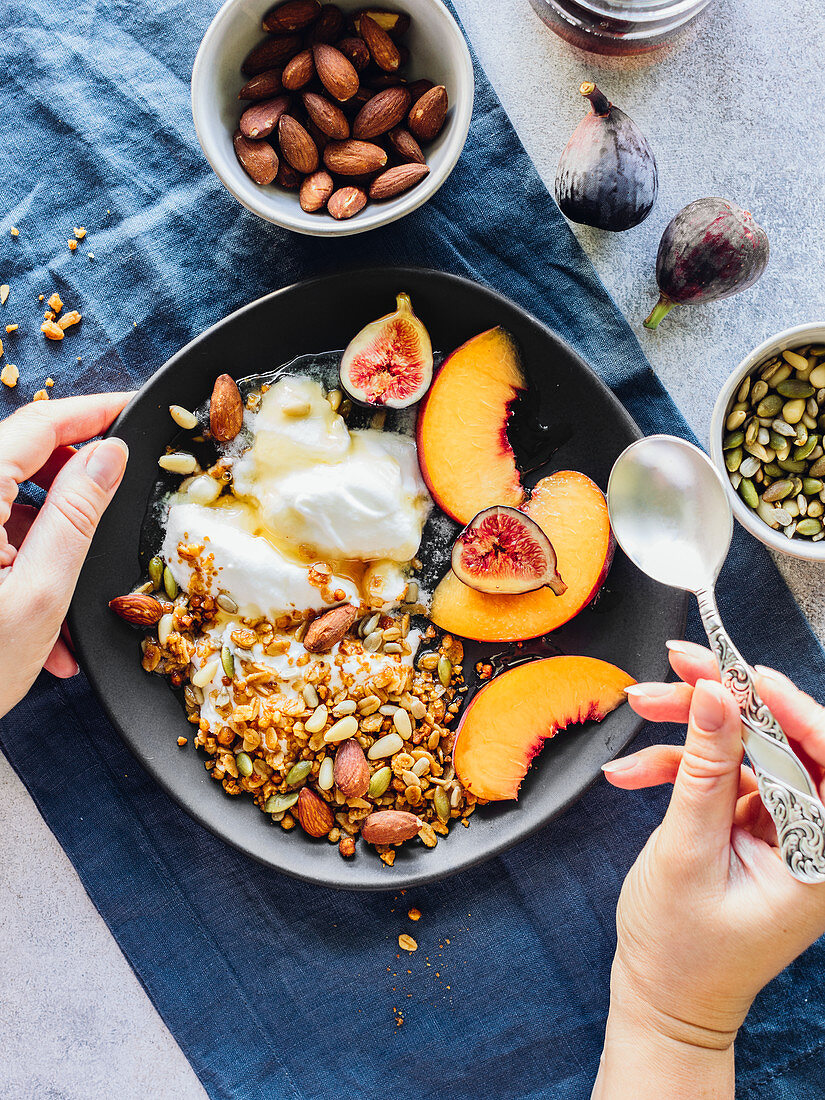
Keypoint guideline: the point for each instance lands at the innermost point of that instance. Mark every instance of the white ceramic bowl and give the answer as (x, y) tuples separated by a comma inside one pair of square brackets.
[(438, 52), (790, 338)]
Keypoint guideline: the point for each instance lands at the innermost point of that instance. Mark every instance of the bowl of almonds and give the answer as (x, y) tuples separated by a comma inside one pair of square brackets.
[(331, 119), (767, 438)]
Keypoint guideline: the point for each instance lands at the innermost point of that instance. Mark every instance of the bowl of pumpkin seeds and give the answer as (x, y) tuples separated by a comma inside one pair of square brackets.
[(768, 440)]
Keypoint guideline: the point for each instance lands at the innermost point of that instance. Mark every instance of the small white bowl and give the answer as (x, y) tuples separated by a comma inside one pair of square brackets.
[(791, 338), (438, 52)]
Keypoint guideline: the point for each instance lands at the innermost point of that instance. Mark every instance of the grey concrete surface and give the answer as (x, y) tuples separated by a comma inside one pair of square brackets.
[(732, 112)]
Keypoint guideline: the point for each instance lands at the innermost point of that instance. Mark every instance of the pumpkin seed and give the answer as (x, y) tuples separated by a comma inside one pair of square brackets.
[(326, 774), (441, 801), (808, 527), (170, 585), (793, 411), (277, 803), (797, 361), (298, 773), (155, 570), (772, 470), (815, 509), (812, 485), (778, 491), (379, 781), (748, 493), (228, 662), (733, 459), (445, 670), (769, 369), (733, 439), (243, 763), (745, 387), (736, 419), (804, 450), (768, 406), (783, 428), (795, 387), (818, 468), (752, 430), (388, 745), (226, 603), (792, 466)]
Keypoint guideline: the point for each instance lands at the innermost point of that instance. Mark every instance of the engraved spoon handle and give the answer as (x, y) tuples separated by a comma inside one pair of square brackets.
[(787, 789)]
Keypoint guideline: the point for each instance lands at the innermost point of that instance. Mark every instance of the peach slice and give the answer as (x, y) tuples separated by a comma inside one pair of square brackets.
[(509, 720), (463, 450), (572, 512)]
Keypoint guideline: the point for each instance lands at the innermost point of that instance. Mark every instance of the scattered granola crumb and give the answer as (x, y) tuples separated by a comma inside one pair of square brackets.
[(1, 347), (4, 293), (414, 914), (41, 395), (49, 382), (69, 319), (181, 740), (91, 255), (9, 375), (78, 358), (399, 1020), (12, 328), (79, 232), (15, 232), (72, 244), (41, 298), (49, 315), (407, 942), (55, 302), (51, 330)]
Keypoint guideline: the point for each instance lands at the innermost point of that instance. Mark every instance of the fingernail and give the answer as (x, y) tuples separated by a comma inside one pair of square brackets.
[(622, 765), (676, 645), (107, 462), (650, 691), (771, 673), (708, 707)]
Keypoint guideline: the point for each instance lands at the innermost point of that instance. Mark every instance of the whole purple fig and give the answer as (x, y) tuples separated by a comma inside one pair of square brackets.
[(607, 174), (710, 250)]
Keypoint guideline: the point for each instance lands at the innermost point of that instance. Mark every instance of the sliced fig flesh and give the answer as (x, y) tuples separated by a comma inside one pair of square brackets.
[(390, 361), (502, 550)]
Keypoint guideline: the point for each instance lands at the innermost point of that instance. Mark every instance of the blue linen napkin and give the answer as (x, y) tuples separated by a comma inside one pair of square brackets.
[(274, 988)]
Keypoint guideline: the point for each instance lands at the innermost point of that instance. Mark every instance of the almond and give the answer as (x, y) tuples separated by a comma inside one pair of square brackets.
[(428, 113), (390, 827), (383, 50), (291, 16), (329, 28), (418, 88), (225, 409), (356, 51), (263, 86), (395, 23), (259, 120), (328, 629), (287, 177), (315, 191), (141, 610), (335, 72), (313, 813), (271, 54), (354, 158), (381, 113), (258, 159), (297, 146), (405, 145), (346, 202), (329, 119), (397, 180), (351, 771), (299, 71)]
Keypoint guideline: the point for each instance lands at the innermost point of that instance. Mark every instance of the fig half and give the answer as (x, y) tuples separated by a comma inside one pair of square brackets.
[(390, 361), (502, 550)]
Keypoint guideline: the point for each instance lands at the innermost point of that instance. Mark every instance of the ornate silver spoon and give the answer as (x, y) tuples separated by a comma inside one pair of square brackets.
[(671, 516)]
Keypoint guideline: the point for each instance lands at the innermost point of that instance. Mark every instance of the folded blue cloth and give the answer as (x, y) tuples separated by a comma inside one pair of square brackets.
[(274, 988)]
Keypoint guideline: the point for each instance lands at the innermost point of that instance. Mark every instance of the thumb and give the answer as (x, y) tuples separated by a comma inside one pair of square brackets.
[(55, 548), (701, 810)]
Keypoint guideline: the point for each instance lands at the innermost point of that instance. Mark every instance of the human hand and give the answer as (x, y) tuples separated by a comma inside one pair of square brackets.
[(708, 914), (41, 552)]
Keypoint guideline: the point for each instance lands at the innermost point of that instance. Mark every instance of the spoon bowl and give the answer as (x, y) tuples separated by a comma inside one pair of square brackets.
[(670, 512)]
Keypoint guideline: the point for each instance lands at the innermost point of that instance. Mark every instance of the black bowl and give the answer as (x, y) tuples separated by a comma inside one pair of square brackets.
[(627, 625)]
